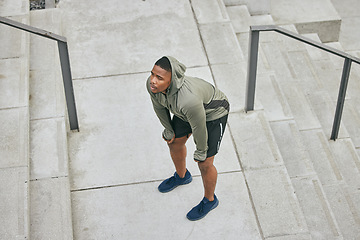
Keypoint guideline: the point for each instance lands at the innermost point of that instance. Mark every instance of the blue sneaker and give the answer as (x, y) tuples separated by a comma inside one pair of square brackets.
[(169, 184), (202, 209)]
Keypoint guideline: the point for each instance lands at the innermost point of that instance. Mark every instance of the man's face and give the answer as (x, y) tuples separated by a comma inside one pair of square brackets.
[(159, 80)]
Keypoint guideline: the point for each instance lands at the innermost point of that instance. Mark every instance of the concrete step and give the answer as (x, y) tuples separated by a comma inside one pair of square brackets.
[(260, 7), (14, 123), (288, 78), (351, 120), (297, 88), (293, 152), (285, 193), (88, 36), (50, 188), (332, 72), (337, 167), (312, 197), (272, 98), (210, 11), (315, 206), (14, 173), (307, 185), (329, 76), (297, 75), (231, 78), (10, 8), (267, 176), (309, 17), (351, 112), (283, 94), (242, 20), (222, 48)]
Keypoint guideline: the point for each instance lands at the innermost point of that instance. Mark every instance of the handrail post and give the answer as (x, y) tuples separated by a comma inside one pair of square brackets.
[(252, 67), (68, 86), (341, 98)]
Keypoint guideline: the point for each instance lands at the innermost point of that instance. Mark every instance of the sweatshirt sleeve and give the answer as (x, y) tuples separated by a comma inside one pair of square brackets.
[(195, 114), (164, 116), (162, 113)]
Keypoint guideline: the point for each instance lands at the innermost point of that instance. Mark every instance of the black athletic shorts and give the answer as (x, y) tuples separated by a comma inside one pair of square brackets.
[(215, 129)]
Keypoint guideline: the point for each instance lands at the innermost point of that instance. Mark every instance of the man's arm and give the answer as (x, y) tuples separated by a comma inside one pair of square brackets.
[(163, 114), (195, 114), (164, 117)]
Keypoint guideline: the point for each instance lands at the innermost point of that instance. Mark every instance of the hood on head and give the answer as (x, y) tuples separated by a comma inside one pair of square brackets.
[(177, 75)]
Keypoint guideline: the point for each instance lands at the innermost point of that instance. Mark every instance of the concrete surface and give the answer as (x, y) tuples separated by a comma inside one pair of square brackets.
[(280, 177), (261, 7), (50, 212), (50, 200), (14, 204), (308, 17), (242, 20), (131, 202), (17, 41), (15, 82), (131, 31), (10, 8), (209, 11), (14, 123), (348, 11), (102, 166)]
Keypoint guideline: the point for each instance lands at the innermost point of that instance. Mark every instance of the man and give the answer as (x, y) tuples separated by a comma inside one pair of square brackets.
[(198, 108)]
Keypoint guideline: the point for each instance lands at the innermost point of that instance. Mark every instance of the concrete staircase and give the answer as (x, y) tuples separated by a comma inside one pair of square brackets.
[(35, 192), (297, 90), (14, 124), (50, 200), (295, 183)]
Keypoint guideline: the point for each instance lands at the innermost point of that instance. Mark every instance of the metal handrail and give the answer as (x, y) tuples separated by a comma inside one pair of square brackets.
[(64, 62), (252, 67)]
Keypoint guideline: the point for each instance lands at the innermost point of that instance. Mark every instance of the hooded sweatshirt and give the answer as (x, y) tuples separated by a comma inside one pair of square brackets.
[(191, 99)]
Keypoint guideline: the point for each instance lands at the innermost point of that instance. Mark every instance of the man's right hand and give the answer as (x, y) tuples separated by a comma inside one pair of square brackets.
[(170, 141)]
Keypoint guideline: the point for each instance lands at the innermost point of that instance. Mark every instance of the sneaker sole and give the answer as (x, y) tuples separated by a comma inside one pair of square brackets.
[(184, 183), (213, 207)]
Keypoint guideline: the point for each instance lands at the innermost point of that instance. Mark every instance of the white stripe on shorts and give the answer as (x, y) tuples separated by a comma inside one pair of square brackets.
[(221, 133)]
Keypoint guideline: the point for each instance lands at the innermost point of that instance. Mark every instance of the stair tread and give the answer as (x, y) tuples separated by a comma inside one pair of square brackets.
[(224, 48), (14, 119), (309, 16), (258, 137), (14, 76), (273, 193), (293, 151), (242, 20), (307, 77), (50, 186), (48, 158), (50, 211), (271, 97), (345, 206), (14, 187), (210, 11), (15, 40), (14, 7)]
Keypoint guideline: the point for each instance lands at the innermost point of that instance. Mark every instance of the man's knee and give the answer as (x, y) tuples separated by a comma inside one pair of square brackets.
[(205, 165), (178, 142)]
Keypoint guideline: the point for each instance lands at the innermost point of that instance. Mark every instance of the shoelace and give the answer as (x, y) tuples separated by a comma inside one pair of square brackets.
[(171, 180), (201, 207)]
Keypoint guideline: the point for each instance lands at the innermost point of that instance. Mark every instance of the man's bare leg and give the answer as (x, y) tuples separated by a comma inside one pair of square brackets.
[(178, 154), (209, 177)]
